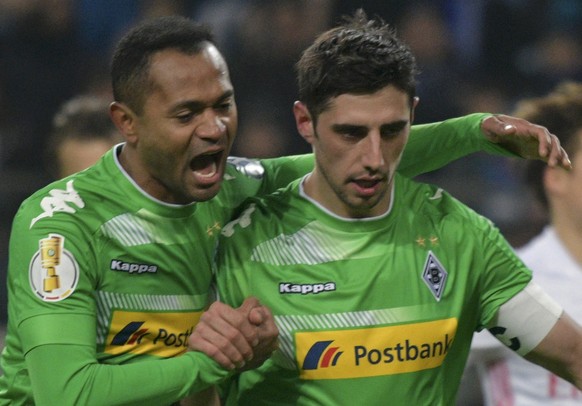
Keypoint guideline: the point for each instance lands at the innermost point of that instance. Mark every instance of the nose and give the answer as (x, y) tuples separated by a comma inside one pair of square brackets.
[(210, 126), (372, 156)]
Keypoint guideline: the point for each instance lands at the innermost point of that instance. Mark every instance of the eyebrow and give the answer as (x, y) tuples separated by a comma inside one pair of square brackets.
[(196, 105), (350, 128), (394, 126), (347, 128)]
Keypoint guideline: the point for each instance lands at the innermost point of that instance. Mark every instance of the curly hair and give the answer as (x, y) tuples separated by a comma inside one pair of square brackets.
[(132, 56)]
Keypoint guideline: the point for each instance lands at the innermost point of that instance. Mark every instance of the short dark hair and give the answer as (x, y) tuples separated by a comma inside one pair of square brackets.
[(359, 56), (560, 111), (132, 55), (85, 118)]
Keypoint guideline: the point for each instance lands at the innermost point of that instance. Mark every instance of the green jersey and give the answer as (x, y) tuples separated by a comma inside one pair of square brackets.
[(101, 275), (102, 269), (370, 311)]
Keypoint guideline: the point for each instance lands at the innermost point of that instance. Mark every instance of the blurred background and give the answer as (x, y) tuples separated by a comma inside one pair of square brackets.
[(475, 56)]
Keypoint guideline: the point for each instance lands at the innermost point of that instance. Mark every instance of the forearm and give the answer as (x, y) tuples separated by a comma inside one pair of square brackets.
[(65, 373), (432, 146), (561, 351)]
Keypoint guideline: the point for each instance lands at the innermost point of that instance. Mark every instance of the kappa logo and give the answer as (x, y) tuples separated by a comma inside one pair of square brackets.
[(130, 267), (243, 221), (59, 201), (437, 195), (305, 288), (321, 355)]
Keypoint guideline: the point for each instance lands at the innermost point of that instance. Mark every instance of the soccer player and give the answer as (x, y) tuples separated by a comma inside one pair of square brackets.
[(554, 256), (376, 282), (110, 268)]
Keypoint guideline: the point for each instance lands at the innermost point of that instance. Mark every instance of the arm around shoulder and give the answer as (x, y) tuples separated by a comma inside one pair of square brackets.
[(65, 368)]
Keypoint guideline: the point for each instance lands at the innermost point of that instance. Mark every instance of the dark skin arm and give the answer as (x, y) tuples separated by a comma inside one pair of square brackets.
[(530, 141)]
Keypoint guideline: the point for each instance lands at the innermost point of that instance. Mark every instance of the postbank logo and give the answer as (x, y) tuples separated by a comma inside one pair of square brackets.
[(376, 351), (322, 355), (164, 334)]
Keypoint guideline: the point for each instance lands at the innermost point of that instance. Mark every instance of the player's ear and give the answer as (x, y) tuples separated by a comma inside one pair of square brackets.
[(415, 101), (124, 119), (303, 121)]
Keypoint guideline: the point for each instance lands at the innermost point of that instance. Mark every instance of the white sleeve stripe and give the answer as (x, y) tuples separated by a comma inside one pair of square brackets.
[(524, 320)]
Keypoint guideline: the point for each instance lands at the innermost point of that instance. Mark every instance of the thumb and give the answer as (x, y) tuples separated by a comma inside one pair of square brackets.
[(257, 316), (249, 304)]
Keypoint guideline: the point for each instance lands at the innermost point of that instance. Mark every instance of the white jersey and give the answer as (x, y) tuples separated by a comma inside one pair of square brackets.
[(514, 381)]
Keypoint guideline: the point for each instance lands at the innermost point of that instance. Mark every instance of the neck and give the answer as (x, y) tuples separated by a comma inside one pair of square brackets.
[(570, 236), (316, 188)]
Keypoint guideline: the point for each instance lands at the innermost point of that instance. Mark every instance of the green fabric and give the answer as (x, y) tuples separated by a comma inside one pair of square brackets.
[(134, 277), (358, 322), (432, 146), (135, 273), (151, 382)]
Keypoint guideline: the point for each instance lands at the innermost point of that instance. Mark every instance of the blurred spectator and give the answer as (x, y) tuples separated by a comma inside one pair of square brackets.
[(82, 133), (554, 256), (545, 63), (426, 32), (40, 68)]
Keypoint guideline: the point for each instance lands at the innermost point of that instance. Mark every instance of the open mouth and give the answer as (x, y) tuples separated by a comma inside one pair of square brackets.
[(206, 166), (365, 184)]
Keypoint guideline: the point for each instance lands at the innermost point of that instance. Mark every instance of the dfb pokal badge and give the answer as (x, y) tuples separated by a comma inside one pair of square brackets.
[(53, 272)]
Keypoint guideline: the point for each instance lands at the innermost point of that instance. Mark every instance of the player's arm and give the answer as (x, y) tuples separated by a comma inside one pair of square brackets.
[(228, 336), (536, 327), (561, 350), (432, 146), (69, 375), (58, 338)]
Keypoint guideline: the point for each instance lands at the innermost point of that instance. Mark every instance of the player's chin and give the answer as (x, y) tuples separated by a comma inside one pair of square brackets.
[(206, 192)]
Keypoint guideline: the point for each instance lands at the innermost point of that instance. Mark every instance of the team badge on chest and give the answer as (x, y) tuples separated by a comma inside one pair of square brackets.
[(435, 275)]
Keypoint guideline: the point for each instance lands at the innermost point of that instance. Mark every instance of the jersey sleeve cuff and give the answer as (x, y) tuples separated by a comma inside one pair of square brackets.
[(57, 329)]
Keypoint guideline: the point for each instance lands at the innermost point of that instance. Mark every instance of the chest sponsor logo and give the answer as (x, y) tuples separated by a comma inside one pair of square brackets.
[(164, 334), (59, 200), (53, 272), (131, 267), (376, 351), (305, 288)]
